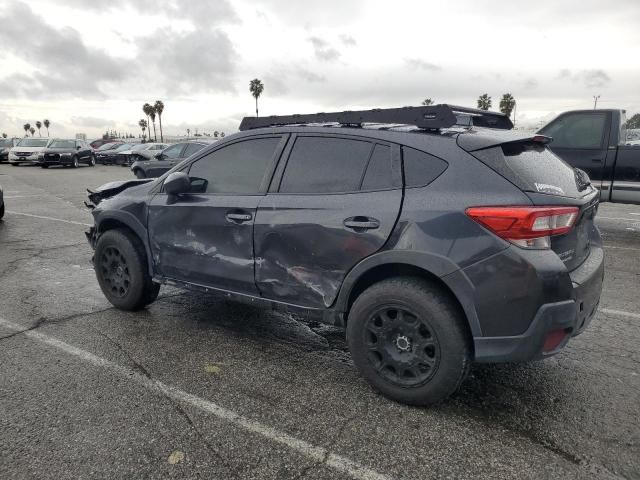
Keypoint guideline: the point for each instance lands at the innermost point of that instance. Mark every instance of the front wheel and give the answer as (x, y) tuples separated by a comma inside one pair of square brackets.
[(140, 174), (1, 211), (121, 269), (44, 166), (92, 161), (74, 162), (408, 340)]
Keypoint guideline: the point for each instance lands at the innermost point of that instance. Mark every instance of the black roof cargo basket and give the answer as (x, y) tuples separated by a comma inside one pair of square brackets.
[(432, 117)]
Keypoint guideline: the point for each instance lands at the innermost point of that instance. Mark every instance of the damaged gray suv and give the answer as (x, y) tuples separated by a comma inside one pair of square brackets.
[(435, 235)]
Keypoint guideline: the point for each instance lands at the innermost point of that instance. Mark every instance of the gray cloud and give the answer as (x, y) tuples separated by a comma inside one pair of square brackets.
[(92, 122), (593, 78), (418, 64), (348, 40), (201, 13), (323, 51), (64, 64), (194, 61), (310, 76)]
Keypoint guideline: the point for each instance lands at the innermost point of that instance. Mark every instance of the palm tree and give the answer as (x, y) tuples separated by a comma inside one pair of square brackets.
[(188, 133), (427, 101), (152, 114), (159, 107), (26, 127), (256, 87), (39, 126), (222, 134), (215, 133), (146, 108), (484, 102), (4, 135), (32, 130), (507, 103), (143, 125), (46, 124)]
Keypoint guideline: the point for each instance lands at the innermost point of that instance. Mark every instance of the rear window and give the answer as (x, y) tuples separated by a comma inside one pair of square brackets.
[(533, 167)]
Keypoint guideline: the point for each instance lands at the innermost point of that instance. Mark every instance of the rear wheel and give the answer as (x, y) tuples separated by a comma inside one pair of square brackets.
[(121, 269), (140, 174), (408, 340), (1, 211), (92, 161), (44, 166), (15, 164)]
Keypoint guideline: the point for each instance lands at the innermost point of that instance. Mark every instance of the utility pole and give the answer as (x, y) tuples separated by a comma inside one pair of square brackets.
[(595, 101), (515, 106)]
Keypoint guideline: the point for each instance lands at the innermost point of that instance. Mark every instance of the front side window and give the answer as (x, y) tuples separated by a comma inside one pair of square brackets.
[(173, 151), (237, 168), (325, 165), (577, 130)]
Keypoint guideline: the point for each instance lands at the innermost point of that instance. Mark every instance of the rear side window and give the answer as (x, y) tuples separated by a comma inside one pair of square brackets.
[(325, 164), (420, 168), (173, 151), (379, 173), (532, 167), (577, 130)]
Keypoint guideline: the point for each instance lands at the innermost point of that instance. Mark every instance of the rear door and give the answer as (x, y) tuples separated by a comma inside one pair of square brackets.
[(333, 202), (206, 237), (581, 139), (626, 181)]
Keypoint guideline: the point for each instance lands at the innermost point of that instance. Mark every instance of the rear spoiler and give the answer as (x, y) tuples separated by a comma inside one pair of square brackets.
[(480, 139)]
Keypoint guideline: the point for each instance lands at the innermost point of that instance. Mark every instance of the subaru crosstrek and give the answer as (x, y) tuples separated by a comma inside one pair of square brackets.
[(436, 245)]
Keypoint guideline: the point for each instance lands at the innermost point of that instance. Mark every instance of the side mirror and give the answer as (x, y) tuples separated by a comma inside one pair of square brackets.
[(158, 156), (177, 183), (78, 147)]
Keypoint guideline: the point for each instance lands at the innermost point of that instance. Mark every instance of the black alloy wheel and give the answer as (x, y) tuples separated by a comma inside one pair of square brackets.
[(402, 346), (115, 271)]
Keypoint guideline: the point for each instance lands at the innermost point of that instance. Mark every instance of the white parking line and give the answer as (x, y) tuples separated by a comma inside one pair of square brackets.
[(24, 196), (50, 218), (313, 452), (622, 313), (600, 217), (623, 248)]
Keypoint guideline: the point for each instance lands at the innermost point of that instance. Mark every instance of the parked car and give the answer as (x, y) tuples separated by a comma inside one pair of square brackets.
[(7, 144), (103, 154), (27, 151), (1, 203), (167, 159), (140, 151), (95, 144), (435, 246), (595, 141), (68, 153)]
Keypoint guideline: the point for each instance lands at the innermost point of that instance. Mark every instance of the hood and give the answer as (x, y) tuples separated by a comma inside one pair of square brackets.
[(112, 189), (27, 149), (60, 150)]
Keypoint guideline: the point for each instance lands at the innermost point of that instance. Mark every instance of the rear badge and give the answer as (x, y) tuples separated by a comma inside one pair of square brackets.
[(546, 188)]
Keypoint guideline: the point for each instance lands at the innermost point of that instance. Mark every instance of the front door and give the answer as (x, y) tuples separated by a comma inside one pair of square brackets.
[(206, 237), (336, 203)]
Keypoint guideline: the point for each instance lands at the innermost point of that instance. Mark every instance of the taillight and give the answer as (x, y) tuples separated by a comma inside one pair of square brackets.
[(527, 227)]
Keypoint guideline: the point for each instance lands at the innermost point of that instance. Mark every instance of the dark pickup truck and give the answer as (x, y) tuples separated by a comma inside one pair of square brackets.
[(596, 141)]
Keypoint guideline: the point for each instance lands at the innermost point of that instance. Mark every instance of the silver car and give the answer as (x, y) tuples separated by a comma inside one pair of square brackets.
[(141, 151)]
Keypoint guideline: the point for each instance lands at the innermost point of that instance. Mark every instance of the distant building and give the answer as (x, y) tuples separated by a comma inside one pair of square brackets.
[(81, 136)]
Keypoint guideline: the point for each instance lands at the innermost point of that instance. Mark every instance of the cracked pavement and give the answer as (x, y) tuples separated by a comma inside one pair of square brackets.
[(576, 415)]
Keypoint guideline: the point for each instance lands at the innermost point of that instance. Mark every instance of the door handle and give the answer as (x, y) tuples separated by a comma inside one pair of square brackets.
[(596, 160), (361, 223), (238, 217)]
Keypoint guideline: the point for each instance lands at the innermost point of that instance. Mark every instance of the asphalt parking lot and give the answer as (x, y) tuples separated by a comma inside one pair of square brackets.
[(196, 387)]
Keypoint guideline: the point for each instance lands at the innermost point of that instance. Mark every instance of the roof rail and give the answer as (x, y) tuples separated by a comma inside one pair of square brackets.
[(432, 117)]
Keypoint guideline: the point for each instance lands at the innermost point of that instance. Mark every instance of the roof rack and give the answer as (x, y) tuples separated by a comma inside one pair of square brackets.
[(432, 117)]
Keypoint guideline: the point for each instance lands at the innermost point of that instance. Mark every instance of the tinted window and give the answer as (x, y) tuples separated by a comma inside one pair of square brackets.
[(191, 149), (63, 144), (324, 164), (421, 168), (237, 168), (379, 172), (173, 151), (577, 130)]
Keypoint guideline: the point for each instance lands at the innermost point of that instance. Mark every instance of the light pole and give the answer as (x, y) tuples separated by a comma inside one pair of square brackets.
[(595, 101)]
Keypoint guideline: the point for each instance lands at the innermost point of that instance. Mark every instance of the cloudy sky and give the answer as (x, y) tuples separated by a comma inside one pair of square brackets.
[(89, 65)]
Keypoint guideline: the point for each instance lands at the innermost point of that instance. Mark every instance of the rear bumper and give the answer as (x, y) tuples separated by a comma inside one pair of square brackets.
[(572, 315)]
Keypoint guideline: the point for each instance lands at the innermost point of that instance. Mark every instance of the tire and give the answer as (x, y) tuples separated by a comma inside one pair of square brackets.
[(92, 161), (420, 355), (44, 166), (140, 174), (74, 162), (1, 211), (15, 164), (121, 268)]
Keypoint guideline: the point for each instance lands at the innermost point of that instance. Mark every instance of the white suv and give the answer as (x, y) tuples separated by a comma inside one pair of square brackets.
[(28, 151)]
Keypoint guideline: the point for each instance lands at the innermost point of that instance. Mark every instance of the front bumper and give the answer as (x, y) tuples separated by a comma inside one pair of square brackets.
[(31, 160), (57, 160), (572, 315)]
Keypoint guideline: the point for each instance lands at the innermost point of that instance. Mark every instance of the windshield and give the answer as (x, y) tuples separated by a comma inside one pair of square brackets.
[(108, 146), (63, 144), (5, 142), (33, 142)]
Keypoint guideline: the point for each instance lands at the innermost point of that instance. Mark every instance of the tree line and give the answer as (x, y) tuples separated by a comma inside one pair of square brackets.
[(28, 129), (484, 102)]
